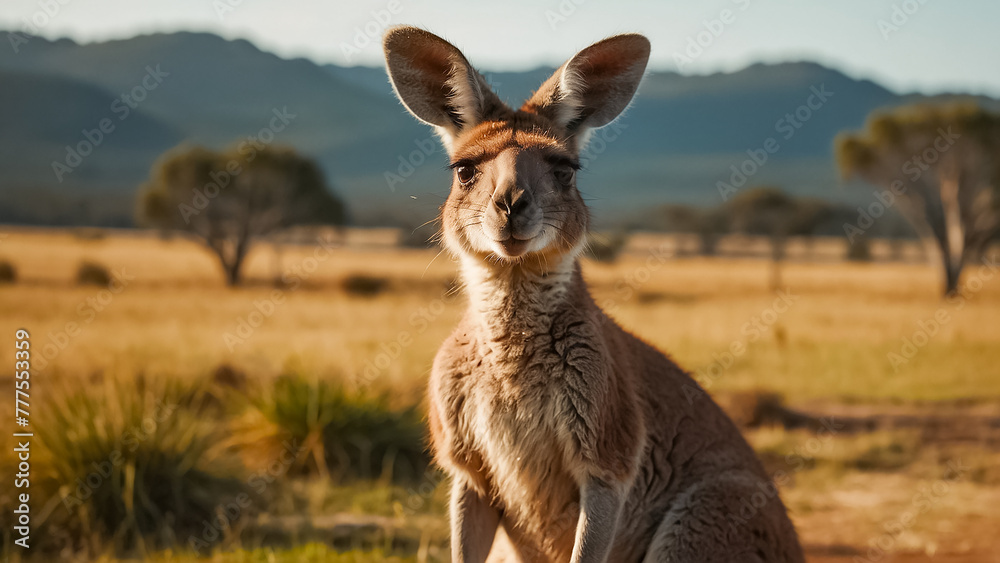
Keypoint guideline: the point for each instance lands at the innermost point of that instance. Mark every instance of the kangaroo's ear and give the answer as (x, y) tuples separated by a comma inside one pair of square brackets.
[(595, 86), (435, 81)]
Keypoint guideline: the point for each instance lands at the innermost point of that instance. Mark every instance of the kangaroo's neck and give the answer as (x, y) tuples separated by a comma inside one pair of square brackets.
[(510, 303)]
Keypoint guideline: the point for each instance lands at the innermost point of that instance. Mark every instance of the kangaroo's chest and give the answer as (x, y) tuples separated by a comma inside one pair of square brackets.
[(512, 421), (508, 417)]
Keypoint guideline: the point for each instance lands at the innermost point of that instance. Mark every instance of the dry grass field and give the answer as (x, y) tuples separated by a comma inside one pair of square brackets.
[(906, 470), (175, 316)]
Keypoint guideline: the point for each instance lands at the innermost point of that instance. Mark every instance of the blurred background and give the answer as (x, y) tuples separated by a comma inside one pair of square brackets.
[(218, 225)]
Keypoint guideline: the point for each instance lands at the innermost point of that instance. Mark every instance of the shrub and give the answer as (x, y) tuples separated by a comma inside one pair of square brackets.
[(133, 464), (92, 273), (364, 286), (335, 432), (8, 273)]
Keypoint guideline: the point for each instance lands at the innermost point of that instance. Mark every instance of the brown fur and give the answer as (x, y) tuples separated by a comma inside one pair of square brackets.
[(565, 436)]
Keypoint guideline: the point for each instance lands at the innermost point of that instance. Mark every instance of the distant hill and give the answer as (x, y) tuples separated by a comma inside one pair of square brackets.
[(678, 139)]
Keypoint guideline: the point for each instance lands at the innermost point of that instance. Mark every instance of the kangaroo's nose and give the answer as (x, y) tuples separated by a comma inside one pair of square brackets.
[(512, 202)]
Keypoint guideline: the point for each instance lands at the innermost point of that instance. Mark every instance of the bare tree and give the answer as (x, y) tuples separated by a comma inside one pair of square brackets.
[(942, 165), (230, 198)]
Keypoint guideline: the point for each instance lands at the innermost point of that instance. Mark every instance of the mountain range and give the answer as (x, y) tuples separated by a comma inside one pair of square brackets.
[(83, 124)]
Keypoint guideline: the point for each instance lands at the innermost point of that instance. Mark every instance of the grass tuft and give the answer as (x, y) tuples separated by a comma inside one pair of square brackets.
[(339, 433), (133, 465)]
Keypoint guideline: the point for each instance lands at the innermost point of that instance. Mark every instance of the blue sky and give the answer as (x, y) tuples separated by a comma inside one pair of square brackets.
[(930, 46)]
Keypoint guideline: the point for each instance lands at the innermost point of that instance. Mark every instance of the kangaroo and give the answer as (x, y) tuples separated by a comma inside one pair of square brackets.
[(565, 437)]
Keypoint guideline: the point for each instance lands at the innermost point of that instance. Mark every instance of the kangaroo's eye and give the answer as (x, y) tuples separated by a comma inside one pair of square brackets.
[(466, 174), (564, 175)]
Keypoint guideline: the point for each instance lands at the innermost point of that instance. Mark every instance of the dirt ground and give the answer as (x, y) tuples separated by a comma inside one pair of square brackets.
[(940, 504)]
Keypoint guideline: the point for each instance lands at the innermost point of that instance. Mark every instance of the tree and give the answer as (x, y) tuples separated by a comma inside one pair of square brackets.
[(708, 224), (769, 211), (231, 197), (942, 165), (762, 211)]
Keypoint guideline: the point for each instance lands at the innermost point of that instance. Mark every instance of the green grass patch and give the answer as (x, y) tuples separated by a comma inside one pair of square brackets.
[(337, 433), (128, 466)]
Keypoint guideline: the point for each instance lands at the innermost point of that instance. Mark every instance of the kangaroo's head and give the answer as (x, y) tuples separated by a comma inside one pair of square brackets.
[(513, 191)]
